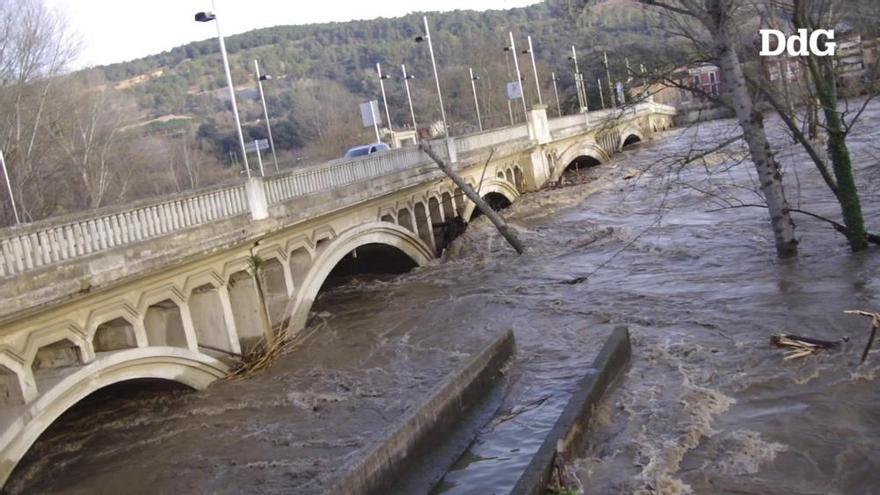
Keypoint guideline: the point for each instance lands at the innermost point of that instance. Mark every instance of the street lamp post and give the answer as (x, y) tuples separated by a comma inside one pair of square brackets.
[(476, 101), (601, 96), (512, 50), (610, 83), (556, 93), (260, 79), (531, 52), (207, 17), (412, 112), (578, 81), (427, 37), (9, 187), (384, 100)]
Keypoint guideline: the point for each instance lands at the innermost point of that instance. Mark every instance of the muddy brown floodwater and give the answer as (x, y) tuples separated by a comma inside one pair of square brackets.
[(706, 407)]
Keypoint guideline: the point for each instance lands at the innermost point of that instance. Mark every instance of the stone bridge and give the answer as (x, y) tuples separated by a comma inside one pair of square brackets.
[(166, 289)]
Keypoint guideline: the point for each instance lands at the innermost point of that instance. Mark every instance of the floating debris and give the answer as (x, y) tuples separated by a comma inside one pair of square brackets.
[(799, 347), (875, 325)]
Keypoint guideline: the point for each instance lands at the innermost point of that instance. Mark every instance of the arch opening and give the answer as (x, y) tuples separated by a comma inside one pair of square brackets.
[(274, 289), (404, 219), (630, 140), (114, 335), (164, 324), (208, 318), (582, 162), (299, 261), (496, 201), (245, 301), (11, 392), (423, 225), (372, 260), (62, 353), (89, 419)]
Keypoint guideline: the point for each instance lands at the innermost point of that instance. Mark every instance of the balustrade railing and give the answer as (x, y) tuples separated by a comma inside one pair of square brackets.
[(46, 242), (58, 239), (494, 137)]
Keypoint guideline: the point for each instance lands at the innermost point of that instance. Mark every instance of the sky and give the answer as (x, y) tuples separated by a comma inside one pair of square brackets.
[(119, 30)]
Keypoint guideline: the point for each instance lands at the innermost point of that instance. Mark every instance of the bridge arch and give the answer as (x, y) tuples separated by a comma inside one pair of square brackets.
[(492, 186), (195, 370), (587, 151), (370, 233), (630, 135)]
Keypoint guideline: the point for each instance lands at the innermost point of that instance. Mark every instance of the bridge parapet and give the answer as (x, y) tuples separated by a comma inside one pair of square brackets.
[(55, 240)]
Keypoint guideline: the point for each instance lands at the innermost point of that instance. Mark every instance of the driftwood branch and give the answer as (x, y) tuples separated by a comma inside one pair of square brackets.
[(472, 195), (875, 326)]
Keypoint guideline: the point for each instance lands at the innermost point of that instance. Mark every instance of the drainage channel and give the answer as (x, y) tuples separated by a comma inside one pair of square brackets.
[(516, 450)]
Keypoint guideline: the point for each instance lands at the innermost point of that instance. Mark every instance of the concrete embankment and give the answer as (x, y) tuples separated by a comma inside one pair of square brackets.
[(413, 437), (570, 431)]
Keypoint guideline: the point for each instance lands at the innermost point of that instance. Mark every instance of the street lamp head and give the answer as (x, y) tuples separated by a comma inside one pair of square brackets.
[(526, 51), (420, 39), (265, 77), (205, 17), (384, 76), (507, 48), (410, 76), (476, 78)]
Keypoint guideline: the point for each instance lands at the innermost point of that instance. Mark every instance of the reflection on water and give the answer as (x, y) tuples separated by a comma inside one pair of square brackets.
[(707, 406)]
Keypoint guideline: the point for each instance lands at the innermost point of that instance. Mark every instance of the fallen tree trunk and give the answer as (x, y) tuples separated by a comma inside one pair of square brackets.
[(472, 195)]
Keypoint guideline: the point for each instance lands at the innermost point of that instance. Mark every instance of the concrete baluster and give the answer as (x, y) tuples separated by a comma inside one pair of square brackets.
[(256, 195), (125, 227), (108, 231), (52, 244), (43, 253), (8, 256), (30, 244), (18, 254), (174, 209), (115, 229), (149, 228)]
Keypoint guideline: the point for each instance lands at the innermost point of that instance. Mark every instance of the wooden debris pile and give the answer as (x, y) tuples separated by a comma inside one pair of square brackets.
[(798, 347)]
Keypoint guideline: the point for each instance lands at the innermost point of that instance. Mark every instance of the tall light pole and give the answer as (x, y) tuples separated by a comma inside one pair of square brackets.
[(531, 52), (578, 81), (519, 81), (9, 188), (427, 37), (610, 83), (260, 79), (476, 101), (556, 93), (384, 100), (207, 17), (412, 112), (507, 97), (601, 96)]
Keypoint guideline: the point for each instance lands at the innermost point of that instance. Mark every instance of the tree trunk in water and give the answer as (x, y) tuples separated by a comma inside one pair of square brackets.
[(824, 78), (752, 124)]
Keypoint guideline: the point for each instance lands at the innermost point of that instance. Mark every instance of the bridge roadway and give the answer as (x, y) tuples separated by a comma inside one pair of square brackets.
[(165, 288)]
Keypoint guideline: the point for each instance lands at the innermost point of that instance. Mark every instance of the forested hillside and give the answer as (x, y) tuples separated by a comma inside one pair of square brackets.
[(163, 124), (322, 71)]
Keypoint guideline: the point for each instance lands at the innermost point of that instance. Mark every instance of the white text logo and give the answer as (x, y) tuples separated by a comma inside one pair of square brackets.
[(798, 45)]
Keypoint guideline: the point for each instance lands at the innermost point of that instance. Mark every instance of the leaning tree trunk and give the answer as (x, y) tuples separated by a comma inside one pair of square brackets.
[(752, 123), (824, 78)]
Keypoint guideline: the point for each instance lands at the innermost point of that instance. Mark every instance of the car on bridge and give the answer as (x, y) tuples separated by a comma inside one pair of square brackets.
[(365, 149)]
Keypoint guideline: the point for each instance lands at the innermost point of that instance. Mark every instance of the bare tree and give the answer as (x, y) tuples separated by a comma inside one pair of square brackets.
[(35, 46), (719, 21), (822, 76)]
